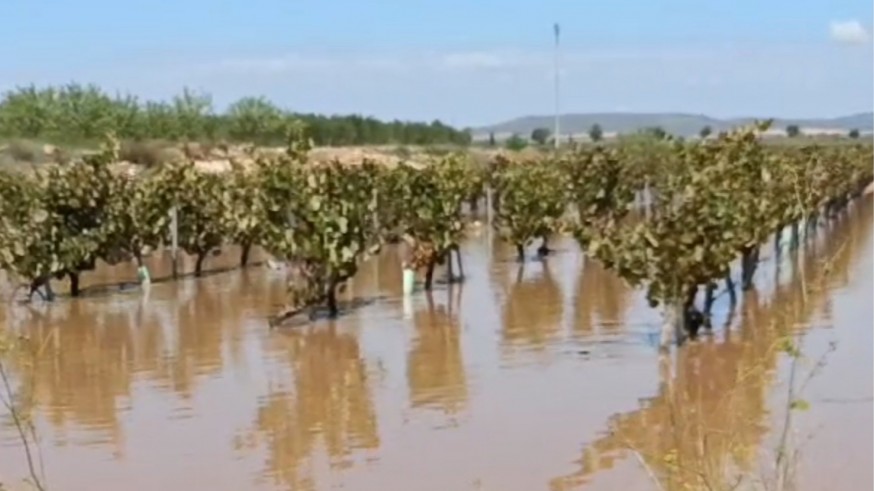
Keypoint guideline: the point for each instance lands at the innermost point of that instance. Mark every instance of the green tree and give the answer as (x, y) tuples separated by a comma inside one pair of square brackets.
[(793, 131), (656, 132), (83, 113), (515, 143), (596, 133), (540, 135), (191, 110), (854, 133), (705, 132), (491, 138), (255, 119)]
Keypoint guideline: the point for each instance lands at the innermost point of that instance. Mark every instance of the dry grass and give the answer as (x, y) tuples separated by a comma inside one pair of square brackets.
[(24, 151), (218, 154), (147, 153), (21, 154)]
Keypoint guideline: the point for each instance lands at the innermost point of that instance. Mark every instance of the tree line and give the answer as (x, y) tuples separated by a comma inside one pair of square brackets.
[(542, 136), (77, 113)]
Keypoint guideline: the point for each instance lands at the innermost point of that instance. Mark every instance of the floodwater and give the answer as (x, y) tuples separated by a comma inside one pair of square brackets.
[(542, 379)]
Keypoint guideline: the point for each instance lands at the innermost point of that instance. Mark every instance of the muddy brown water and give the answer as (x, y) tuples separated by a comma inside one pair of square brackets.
[(547, 378)]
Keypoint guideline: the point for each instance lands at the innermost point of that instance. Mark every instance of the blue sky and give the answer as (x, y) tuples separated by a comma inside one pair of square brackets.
[(467, 63)]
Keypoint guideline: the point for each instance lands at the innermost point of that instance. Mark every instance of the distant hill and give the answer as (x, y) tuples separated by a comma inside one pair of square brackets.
[(675, 123)]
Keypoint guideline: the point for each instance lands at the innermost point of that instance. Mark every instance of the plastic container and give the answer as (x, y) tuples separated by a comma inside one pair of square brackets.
[(409, 281), (143, 275)]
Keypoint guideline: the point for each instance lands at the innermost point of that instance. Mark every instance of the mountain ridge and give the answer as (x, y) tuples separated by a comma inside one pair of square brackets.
[(678, 123)]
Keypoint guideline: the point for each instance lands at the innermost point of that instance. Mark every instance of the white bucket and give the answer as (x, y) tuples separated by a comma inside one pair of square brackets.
[(409, 281), (143, 275)]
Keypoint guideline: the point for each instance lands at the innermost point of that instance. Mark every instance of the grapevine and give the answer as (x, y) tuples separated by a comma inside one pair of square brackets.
[(716, 201)]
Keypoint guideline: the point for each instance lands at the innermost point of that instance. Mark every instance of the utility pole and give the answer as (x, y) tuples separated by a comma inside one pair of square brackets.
[(556, 131)]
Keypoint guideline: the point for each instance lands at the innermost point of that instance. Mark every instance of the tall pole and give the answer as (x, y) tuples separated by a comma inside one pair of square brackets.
[(556, 130), (174, 239)]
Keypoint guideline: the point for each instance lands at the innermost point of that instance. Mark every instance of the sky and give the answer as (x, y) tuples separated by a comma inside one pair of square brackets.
[(467, 63)]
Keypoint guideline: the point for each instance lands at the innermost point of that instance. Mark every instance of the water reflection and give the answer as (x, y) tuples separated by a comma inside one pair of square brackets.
[(325, 404), (94, 350), (601, 298), (705, 425), (532, 311), (435, 369)]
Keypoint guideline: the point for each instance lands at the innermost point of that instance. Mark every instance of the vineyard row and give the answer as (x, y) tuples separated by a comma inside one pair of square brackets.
[(711, 202)]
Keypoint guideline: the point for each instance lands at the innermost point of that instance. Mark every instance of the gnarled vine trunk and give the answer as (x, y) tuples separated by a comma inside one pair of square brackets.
[(709, 297), (244, 254), (520, 253), (331, 298), (37, 283), (544, 250), (777, 236), (450, 272), (681, 319), (693, 319), (429, 273), (198, 264), (474, 204), (749, 263), (74, 283)]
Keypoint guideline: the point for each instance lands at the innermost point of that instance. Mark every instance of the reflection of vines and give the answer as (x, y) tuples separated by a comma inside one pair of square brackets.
[(701, 430), (532, 310), (330, 401), (603, 294), (98, 351), (435, 368), (18, 404)]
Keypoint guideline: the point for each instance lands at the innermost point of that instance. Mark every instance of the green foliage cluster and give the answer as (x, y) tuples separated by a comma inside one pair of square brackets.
[(601, 186), (540, 135), (719, 200), (596, 133), (426, 208), (83, 113), (532, 200), (515, 143)]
